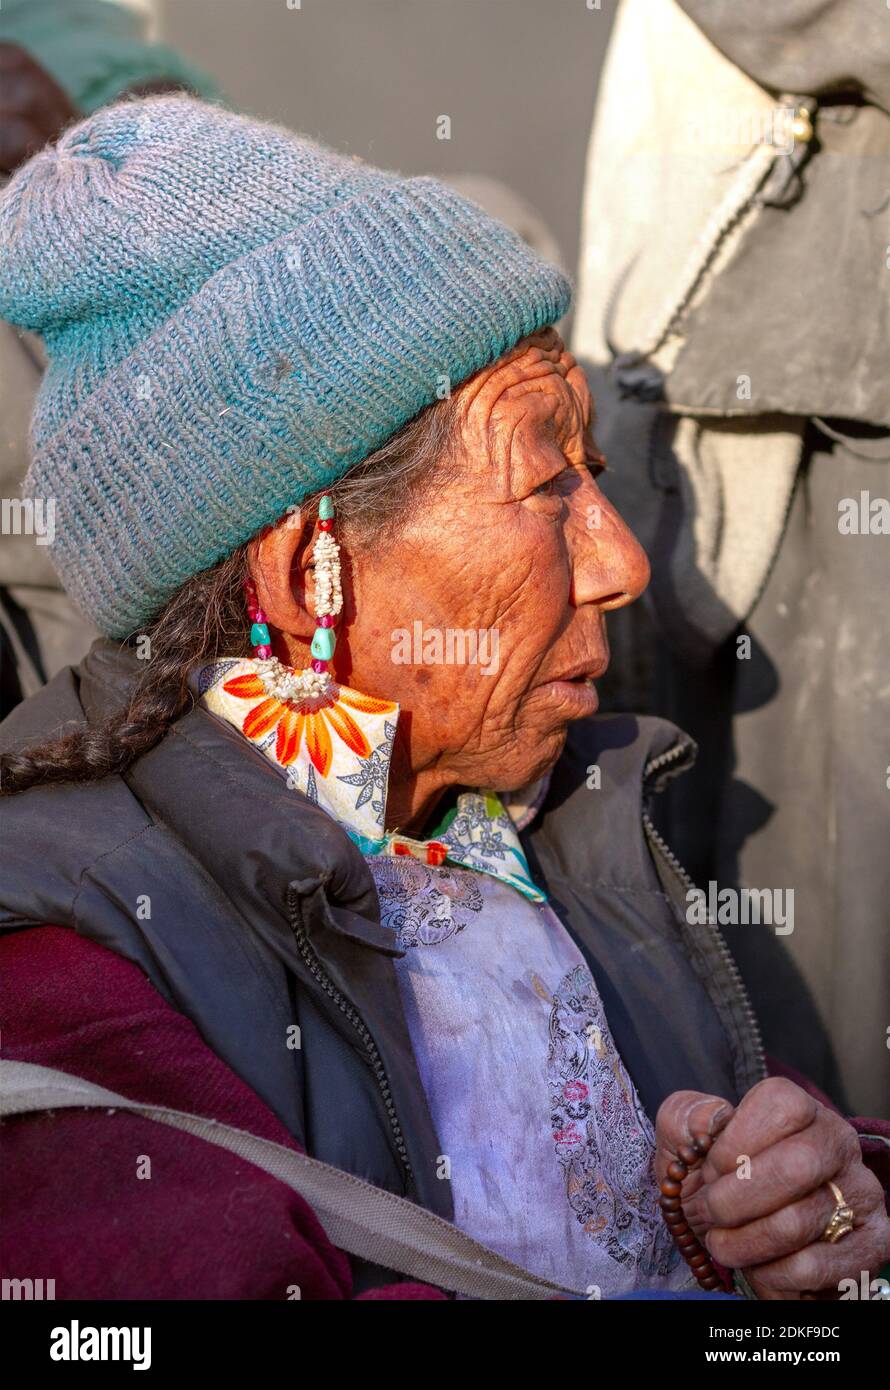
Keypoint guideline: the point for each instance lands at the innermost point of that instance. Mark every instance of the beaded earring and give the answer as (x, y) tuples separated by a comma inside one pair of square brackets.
[(282, 681)]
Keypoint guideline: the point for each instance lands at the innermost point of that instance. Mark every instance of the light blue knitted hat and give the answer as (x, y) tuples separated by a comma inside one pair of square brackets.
[(233, 316)]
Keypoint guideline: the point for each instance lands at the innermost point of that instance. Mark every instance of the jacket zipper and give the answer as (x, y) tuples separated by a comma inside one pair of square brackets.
[(658, 764), (372, 1054)]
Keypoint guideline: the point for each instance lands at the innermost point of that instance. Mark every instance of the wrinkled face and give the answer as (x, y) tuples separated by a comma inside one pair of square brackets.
[(518, 556), (483, 616)]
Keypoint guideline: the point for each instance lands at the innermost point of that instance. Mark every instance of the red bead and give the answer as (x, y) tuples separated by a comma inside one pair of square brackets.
[(399, 848), (326, 525), (436, 852), (327, 620), (264, 653), (318, 665)]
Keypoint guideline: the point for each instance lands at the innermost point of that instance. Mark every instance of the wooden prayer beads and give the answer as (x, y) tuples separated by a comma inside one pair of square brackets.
[(696, 1256)]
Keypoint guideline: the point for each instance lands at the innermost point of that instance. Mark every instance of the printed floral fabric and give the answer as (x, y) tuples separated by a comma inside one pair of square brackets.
[(551, 1155), (337, 748), (603, 1138), (424, 905), (477, 834)]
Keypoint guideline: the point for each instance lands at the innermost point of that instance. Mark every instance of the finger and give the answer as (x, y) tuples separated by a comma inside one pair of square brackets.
[(822, 1266), (771, 1111), (681, 1117), (780, 1175), (791, 1228)]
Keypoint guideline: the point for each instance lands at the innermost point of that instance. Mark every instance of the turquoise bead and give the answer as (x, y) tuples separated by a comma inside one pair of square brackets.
[(325, 508), (259, 635), (323, 643)]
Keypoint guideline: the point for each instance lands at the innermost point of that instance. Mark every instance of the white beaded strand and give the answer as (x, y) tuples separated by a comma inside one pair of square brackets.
[(328, 591), (286, 684)]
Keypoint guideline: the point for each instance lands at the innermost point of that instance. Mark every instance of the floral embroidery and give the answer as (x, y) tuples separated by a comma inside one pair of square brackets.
[(424, 906), (604, 1140)]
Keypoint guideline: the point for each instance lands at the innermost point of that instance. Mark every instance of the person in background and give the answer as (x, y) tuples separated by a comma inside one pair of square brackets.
[(734, 310), (59, 59)]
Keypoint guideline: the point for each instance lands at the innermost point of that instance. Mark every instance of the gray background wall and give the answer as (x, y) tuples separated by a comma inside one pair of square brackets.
[(370, 77)]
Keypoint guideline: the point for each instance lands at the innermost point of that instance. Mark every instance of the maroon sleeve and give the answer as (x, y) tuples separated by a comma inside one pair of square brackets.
[(118, 1206)]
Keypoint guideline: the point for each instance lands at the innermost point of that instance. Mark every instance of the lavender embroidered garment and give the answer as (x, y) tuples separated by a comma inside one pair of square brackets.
[(549, 1151)]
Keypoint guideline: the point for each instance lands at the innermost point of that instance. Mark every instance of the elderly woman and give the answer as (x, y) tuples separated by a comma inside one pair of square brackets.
[(323, 844)]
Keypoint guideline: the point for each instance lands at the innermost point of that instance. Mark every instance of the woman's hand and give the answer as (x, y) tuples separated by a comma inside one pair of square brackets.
[(760, 1201)]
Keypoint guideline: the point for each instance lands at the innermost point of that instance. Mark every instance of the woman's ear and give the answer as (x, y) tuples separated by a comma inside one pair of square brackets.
[(279, 560)]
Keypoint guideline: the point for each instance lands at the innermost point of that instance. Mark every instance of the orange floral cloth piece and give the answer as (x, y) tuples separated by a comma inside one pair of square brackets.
[(336, 747)]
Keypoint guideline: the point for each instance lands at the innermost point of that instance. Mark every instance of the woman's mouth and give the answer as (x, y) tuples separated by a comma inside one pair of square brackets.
[(577, 694)]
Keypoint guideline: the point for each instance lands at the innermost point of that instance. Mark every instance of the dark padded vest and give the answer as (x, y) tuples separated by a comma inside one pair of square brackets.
[(251, 911)]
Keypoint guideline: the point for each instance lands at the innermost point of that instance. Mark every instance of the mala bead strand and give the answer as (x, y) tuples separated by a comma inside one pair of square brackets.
[(689, 1156)]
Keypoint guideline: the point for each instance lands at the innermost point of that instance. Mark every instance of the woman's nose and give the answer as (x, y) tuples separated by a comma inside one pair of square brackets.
[(610, 567)]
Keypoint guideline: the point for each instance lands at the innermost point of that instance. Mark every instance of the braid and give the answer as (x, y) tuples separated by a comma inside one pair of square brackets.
[(206, 619)]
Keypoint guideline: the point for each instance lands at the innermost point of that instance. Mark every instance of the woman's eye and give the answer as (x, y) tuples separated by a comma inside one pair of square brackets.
[(546, 489)]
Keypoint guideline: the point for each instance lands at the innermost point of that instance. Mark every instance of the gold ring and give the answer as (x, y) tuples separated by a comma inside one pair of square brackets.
[(840, 1223)]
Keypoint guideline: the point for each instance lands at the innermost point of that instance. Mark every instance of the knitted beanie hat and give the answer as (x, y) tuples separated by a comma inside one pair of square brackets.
[(233, 317)]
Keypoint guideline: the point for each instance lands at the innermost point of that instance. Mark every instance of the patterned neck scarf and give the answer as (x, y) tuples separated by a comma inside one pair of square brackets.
[(337, 748)]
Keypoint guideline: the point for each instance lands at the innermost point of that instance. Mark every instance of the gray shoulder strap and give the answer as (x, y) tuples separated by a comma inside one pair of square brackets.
[(366, 1221)]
